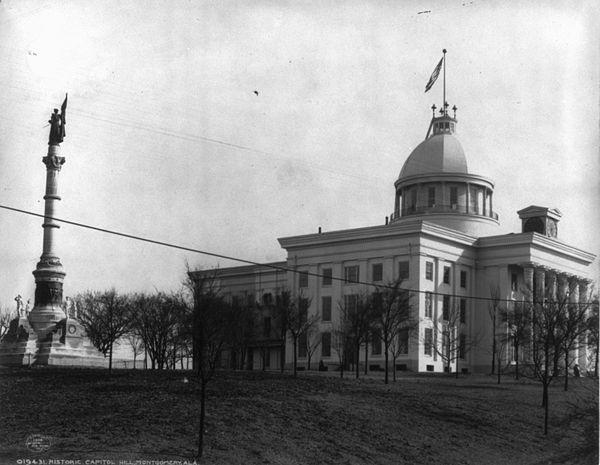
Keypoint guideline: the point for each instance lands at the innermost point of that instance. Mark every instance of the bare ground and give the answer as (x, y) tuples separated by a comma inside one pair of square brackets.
[(262, 418)]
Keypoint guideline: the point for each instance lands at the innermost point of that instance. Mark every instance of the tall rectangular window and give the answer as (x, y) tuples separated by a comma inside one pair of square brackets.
[(462, 346), (302, 345), (327, 274), (463, 310), (351, 302), (303, 279), (376, 342), (428, 344), (403, 271), (377, 270), (446, 307), (303, 303), (429, 271), (431, 197), (446, 275), (326, 308), (428, 305), (351, 274), (403, 341), (514, 282), (463, 279), (267, 326), (326, 345), (454, 197)]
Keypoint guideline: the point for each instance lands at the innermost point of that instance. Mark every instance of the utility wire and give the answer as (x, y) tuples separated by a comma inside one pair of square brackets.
[(250, 262)]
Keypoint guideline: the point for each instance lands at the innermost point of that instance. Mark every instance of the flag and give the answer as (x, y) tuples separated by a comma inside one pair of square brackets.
[(434, 75)]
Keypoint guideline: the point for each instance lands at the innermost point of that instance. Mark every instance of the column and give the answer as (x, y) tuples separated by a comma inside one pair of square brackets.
[(551, 284), (582, 359)]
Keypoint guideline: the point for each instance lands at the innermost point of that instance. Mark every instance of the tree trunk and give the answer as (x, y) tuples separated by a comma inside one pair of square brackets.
[(202, 415), (545, 402), (134, 359), (366, 357), (295, 358), (110, 358), (357, 359), (596, 361), (387, 359), (517, 361), (494, 342), (566, 370), (394, 368)]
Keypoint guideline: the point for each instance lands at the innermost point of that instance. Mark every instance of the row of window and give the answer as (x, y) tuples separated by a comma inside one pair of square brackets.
[(351, 274), (376, 344), (446, 344), (447, 311), (446, 275)]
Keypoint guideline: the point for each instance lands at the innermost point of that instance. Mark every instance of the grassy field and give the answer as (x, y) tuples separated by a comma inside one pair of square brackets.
[(262, 418)]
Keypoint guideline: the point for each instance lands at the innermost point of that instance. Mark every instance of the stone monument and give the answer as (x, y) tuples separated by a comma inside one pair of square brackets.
[(48, 335)]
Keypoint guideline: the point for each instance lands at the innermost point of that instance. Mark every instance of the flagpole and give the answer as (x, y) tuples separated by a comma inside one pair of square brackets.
[(444, 102)]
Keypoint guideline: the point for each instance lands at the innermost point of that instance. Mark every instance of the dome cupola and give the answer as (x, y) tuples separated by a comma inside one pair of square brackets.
[(435, 184)]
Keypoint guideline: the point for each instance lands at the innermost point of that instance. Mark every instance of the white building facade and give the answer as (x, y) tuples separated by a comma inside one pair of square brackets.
[(442, 241)]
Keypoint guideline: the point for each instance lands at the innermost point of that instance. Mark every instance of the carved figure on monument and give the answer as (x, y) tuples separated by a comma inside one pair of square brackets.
[(19, 301), (57, 124), (27, 307)]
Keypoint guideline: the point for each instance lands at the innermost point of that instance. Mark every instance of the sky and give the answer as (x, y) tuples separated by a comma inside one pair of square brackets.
[(222, 126)]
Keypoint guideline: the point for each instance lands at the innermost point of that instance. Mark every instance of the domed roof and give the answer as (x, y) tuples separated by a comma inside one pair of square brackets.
[(441, 153)]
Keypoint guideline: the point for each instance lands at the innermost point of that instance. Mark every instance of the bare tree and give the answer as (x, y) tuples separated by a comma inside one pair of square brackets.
[(456, 342), (493, 311), (573, 327), (313, 342), (210, 333), (160, 320), (593, 341), (340, 342), (391, 314), (5, 319), (518, 322), (547, 334), (297, 322), (136, 343), (356, 313), (106, 316)]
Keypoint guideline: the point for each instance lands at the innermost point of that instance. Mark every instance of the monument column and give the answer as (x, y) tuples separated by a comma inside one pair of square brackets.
[(49, 274)]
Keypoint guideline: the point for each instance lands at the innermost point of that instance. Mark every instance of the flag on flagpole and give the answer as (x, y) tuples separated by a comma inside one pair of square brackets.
[(434, 75)]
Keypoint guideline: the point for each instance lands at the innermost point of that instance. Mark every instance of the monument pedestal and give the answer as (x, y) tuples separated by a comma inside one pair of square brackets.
[(67, 345), (19, 345)]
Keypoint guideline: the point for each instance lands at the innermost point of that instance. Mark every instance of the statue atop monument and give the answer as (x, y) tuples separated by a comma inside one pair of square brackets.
[(57, 124)]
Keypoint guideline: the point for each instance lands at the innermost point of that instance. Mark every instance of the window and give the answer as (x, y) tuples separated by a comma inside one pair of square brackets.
[(351, 274), (302, 343), (446, 308), (463, 279), (267, 326), (403, 341), (428, 346), (428, 305), (267, 298), (514, 282), (326, 308), (303, 303), (377, 272), (454, 197), (463, 310), (462, 345), (431, 197), (327, 274), (326, 345), (351, 302), (429, 271), (250, 300), (376, 342), (403, 271), (303, 279), (446, 275)]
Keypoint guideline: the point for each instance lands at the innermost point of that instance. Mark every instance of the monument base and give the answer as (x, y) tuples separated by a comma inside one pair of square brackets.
[(64, 345), (19, 345)]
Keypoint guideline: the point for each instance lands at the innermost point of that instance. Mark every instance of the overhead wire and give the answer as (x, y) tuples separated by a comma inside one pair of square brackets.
[(254, 263)]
